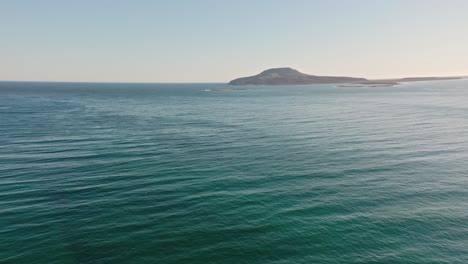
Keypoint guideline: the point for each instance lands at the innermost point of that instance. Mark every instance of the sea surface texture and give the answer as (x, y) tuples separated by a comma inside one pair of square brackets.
[(192, 173)]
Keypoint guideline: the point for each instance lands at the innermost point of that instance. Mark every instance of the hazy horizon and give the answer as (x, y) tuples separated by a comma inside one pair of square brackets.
[(211, 42)]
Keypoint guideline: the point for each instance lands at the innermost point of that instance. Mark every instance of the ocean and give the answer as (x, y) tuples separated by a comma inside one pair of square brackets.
[(194, 173)]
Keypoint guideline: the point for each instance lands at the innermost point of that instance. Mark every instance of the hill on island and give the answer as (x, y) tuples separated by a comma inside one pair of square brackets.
[(289, 76)]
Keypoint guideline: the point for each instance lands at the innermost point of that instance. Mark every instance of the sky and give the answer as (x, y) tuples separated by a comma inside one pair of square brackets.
[(216, 41)]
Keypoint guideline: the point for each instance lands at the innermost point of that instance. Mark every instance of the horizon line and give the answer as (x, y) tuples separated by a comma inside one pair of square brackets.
[(137, 82), (111, 82)]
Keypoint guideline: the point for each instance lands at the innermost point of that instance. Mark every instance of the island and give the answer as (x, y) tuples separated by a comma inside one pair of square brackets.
[(289, 76)]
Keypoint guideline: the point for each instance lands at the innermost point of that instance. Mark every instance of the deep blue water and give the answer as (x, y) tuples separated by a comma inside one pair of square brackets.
[(171, 173)]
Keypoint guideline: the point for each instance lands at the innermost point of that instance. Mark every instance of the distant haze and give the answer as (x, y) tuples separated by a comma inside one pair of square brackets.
[(217, 41)]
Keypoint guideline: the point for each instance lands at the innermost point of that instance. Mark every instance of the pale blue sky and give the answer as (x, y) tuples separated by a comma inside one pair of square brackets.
[(215, 41)]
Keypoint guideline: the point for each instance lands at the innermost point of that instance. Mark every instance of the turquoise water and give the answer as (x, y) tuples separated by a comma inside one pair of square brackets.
[(171, 173)]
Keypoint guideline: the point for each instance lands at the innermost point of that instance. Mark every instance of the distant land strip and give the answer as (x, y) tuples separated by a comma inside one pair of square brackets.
[(289, 76)]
